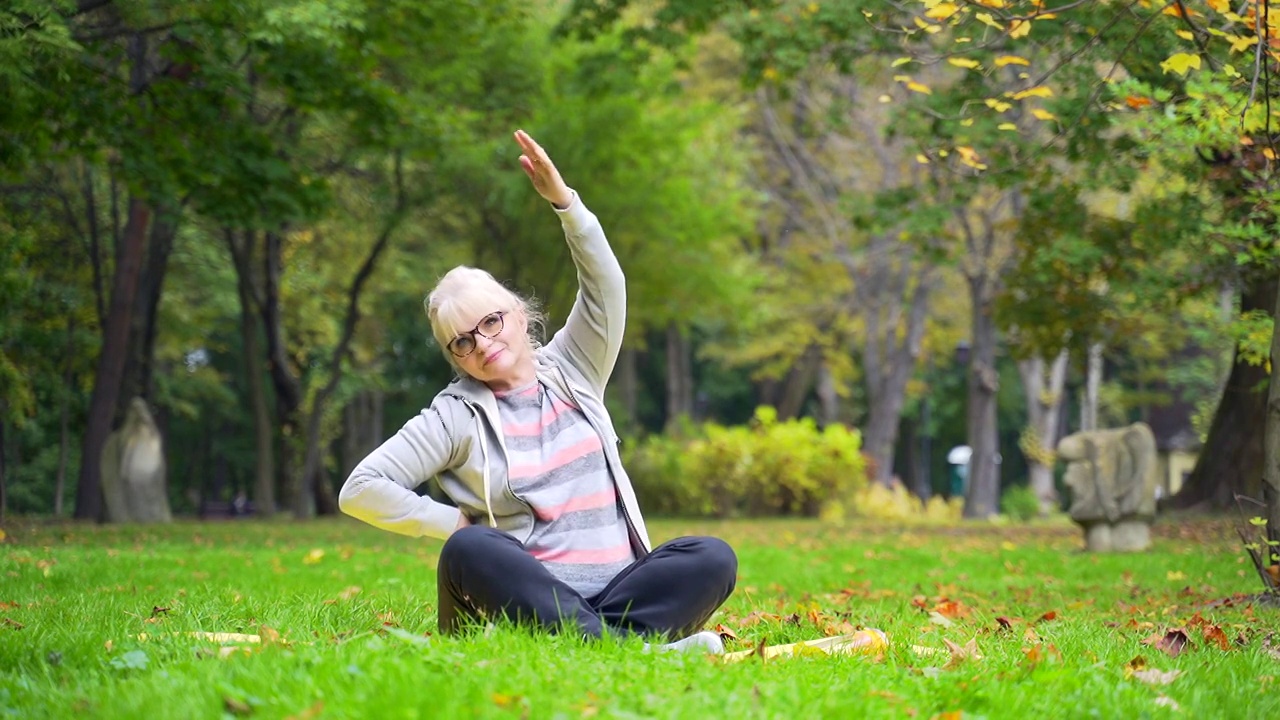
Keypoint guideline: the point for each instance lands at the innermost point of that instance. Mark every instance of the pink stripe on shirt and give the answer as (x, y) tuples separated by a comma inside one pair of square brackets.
[(535, 428), (603, 556), (605, 498), (564, 457)]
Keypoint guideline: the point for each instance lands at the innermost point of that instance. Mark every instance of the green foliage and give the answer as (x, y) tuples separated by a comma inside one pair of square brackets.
[(1020, 503), (765, 468)]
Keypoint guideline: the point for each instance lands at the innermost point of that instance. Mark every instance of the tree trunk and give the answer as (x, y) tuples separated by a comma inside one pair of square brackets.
[(1231, 461), (288, 389), (1092, 384), (313, 488), (679, 377), (828, 398), (111, 362), (983, 499), (1271, 478), (1044, 400), (628, 379), (790, 394), (140, 359), (64, 419), (4, 467), (264, 477)]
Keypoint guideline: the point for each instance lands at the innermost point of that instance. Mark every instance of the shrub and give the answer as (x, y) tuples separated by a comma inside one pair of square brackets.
[(894, 502), (1020, 503), (764, 468)]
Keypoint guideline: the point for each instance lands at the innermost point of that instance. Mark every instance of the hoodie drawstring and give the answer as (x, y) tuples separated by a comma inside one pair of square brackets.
[(484, 459)]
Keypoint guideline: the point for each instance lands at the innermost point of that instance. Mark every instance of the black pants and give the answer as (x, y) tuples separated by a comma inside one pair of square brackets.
[(671, 592)]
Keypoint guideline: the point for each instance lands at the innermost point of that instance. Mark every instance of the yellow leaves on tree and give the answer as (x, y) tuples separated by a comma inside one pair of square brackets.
[(941, 11), (1005, 60), (1181, 63), (967, 63), (1039, 91), (912, 85)]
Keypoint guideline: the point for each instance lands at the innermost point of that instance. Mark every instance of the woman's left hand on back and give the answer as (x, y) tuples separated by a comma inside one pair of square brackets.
[(542, 172)]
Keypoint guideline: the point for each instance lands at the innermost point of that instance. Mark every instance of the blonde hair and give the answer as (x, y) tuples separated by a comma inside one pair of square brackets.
[(465, 293)]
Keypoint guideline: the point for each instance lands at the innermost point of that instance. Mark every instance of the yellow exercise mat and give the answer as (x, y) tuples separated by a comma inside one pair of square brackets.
[(863, 642)]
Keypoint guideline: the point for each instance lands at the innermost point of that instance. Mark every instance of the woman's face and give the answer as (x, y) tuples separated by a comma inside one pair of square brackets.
[(495, 350)]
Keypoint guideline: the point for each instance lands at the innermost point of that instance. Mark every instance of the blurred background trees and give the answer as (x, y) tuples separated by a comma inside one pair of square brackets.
[(980, 223)]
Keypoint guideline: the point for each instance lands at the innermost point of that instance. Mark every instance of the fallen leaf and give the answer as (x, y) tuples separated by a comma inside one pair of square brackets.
[(1214, 634), (951, 609), (939, 619), (961, 654), (1039, 653), (9, 605), (1048, 617), (1136, 664), (1271, 647), (311, 712), (1156, 677), (727, 633), (13, 623), (313, 557), (1004, 622), (505, 700), (269, 636), (1172, 643), (236, 706), (1164, 701)]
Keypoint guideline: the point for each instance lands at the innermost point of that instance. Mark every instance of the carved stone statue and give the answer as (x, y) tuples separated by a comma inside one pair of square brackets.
[(1113, 477), (134, 483)]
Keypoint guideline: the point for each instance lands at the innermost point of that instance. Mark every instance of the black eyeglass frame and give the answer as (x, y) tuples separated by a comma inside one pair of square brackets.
[(471, 334)]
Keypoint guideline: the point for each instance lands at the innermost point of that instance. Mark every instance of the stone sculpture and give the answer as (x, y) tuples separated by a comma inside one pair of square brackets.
[(1113, 476)]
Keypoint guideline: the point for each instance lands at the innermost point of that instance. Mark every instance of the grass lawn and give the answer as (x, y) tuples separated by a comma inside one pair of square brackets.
[(347, 619)]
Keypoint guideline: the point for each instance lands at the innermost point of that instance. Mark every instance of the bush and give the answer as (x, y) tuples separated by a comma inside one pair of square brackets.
[(764, 468), (894, 502), (1020, 503)]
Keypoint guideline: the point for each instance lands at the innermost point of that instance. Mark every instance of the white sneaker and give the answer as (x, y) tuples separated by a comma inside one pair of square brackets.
[(705, 642)]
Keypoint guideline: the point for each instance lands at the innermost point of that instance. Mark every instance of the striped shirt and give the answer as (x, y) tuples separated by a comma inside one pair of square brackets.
[(556, 464)]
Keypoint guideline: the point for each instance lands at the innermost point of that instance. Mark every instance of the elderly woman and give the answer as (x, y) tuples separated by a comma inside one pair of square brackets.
[(544, 528)]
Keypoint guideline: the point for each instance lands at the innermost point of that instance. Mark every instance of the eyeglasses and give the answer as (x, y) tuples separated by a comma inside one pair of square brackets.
[(465, 343)]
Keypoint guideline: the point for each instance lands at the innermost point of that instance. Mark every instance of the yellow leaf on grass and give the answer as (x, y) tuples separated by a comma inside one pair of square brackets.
[(1039, 91), (1043, 114), (998, 105), (1019, 28), (964, 62), (986, 19), (1181, 63), (917, 87), (1004, 60), (313, 557), (1006, 126)]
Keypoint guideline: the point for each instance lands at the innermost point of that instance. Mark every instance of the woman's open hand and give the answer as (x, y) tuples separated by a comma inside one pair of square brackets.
[(542, 172)]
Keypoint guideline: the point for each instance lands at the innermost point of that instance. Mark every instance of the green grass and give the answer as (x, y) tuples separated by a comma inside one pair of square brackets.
[(74, 599)]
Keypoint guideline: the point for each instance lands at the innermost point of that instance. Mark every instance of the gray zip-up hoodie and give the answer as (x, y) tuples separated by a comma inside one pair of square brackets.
[(459, 437)]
